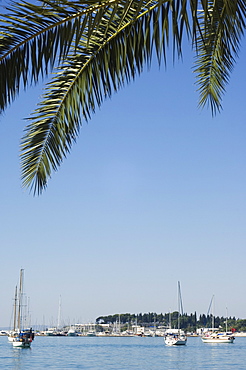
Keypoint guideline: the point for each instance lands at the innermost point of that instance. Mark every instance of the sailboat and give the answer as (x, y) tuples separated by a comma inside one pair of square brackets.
[(176, 337), (20, 337), (214, 335)]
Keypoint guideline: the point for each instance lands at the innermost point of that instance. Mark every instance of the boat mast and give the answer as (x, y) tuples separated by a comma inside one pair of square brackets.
[(59, 314), (180, 305), (212, 301), (213, 312), (20, 299), (170, 320), (119, 324), (226, 318), (15, 306)]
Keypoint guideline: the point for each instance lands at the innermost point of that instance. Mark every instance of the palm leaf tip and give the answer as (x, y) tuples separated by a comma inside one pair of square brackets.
[(217, 40)]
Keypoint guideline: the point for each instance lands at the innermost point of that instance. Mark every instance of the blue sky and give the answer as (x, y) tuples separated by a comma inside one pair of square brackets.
[(153, 192)]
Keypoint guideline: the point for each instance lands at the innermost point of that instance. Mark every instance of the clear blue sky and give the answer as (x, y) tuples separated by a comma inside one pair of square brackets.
[(152, 193)]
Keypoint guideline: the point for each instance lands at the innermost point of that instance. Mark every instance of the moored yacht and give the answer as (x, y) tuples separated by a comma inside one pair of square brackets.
[(176, 337), (20, 337), (72, 333), (217, 337), (214, 335)]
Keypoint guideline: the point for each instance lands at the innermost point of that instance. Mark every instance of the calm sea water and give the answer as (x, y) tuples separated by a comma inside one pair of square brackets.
[(122, 354)]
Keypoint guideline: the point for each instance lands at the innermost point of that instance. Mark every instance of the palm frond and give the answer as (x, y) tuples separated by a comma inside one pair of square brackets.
[(116, 53), (33, 36), (95, 48), (218, 38)]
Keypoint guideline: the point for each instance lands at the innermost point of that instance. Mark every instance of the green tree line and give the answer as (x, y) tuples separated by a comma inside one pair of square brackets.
[(189, 322)]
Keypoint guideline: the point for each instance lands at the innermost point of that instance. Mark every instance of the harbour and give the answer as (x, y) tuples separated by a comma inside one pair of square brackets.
[(122, 353)]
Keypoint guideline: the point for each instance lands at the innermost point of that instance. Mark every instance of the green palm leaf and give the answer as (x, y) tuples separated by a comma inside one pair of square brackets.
[(222, 24), (116, 52), (96, 47)]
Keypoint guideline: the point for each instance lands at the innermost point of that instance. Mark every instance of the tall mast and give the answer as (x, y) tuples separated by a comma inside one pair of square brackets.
[(212, 301), (213, 312), (15, 306), (20, 299), (226, 318), (59, 314), (180, 306)]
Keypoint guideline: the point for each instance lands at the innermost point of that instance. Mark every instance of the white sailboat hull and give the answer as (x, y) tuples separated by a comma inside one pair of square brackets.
[(175, 340), (24, 344), (218, 339)]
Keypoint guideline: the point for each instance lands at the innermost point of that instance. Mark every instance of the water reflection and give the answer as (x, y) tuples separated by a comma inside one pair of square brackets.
[(175, 357), (19, 357)]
